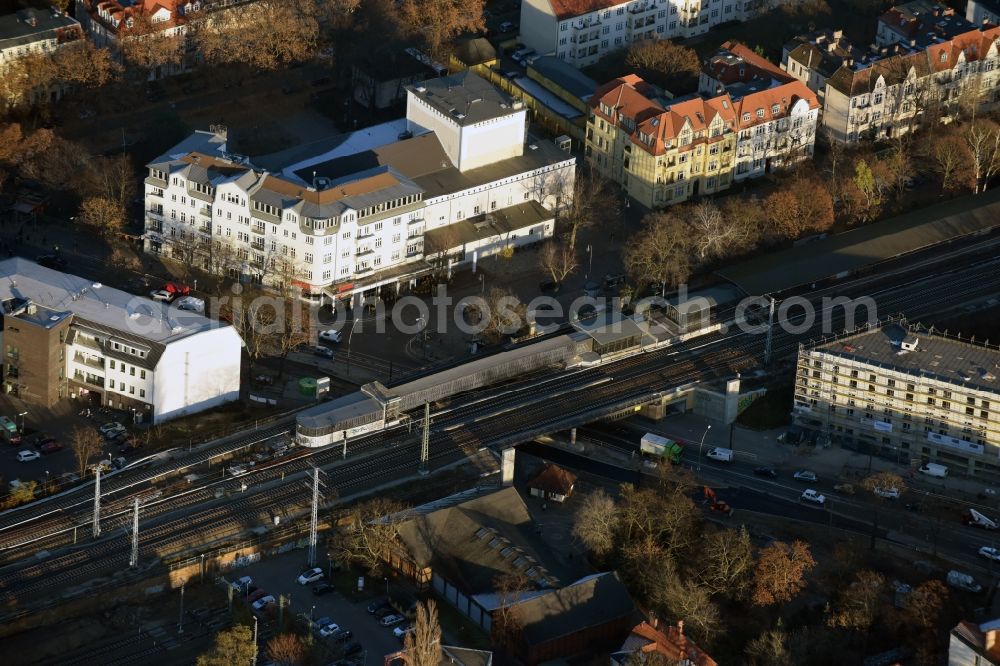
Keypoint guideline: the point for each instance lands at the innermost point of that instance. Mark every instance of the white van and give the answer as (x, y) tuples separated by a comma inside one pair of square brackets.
[(933, 469), (719, 454)]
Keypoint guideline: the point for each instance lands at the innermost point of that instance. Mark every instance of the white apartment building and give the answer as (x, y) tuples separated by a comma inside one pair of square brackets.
[(29, 31), (906, 393), (582, 31), (814, 57), (890, 92), (776, 114), (34, 32), (64, 336), (355, 217)]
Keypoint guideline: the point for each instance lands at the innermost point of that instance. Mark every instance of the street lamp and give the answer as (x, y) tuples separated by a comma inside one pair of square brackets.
[(350, 334), (386, 586), (701, 444), (21, 416), (590, 266), (180, 617)]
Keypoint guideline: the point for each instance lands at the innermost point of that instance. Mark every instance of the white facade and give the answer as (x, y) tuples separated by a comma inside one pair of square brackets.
[(554, 27), (786, 135), (34, 31), (221, 213), (137, 354)]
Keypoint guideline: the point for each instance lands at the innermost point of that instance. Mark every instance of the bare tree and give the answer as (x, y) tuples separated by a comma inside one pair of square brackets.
[(716, 237), (596, 523), (593, 201), (693, 603), (370, 538), (557, 259), (859, 603), (32, 79), (263, 35), (85, 444), (664, 62), (882, 482), (286, 650), (437, 22), (770, 648), (780, 573), (23, 493), (506, 625), (983, 140), (661, 252), (727, 567), (422, 646), (949, 155), (146, 46), (506, 315)]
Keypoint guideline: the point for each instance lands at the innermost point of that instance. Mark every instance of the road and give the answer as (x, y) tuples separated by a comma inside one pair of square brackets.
[(497, 416)]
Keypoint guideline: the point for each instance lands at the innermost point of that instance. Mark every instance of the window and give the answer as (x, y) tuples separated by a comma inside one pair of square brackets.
[(308, 257), (142, 393), (760, 113)]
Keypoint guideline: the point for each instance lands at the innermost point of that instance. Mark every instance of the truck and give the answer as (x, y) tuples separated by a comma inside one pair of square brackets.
[(973, 518), (933, 469), (963, 581), (720, 454), (660, 447)]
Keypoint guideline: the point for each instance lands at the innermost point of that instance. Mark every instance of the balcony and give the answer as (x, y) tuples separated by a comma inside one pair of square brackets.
[(155, 211), (88, 378), (92, 361), (206, 229), (362, 251), (257, 245), (154, 225), (205, 211), (155, 192), (259, 228)]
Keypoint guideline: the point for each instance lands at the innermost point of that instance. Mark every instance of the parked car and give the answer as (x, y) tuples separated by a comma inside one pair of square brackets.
[(331, 335), (15, 438), (768, 472), (323, 588), (264, 601), (328, 629), (242, 584), (402, 630), (342, 636), (377, 605), (43, 440), (254, 595), (353, 648), (324, 352), (887, 493), (238, 470), (989, 553), (506, 26), (50, 447), (810, 495), (114, 426), (119, 462), (28, 456), (391, 619), (310, 576), (322, 622), (382, 612), (805, 475)]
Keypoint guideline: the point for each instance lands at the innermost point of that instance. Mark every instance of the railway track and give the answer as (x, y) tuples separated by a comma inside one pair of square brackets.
[(498, 415)]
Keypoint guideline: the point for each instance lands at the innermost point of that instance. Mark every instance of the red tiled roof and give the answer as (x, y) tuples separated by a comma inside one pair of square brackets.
[(759, 62), (554, 479), (566, 9), (784, 96), (975, 44), (672, 644)]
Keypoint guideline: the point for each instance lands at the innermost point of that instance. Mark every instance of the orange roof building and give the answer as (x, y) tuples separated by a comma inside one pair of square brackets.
[(890, 92), (669, 642)]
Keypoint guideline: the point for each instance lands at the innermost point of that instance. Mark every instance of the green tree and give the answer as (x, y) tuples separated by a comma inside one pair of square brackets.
[(232, 646), (867, 187), (23, 493)]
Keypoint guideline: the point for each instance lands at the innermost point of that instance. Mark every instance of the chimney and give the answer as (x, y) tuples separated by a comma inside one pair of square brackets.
[(655, 622), (913, 42), (838, 34), (680, 627)]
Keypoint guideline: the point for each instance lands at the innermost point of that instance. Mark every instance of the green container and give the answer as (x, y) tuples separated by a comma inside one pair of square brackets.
[(307, 387)]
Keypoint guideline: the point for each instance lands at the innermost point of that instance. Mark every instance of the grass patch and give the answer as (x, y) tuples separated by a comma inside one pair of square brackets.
[(770, 411)]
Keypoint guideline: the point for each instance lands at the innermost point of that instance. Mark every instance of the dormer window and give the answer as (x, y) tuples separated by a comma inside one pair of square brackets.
[(774, 109), (760, 113), (944, 56), (129, 23), (746, 117)]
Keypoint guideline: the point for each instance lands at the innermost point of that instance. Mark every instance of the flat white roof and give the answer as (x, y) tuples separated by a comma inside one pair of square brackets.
[(64, 293), (353, 143)]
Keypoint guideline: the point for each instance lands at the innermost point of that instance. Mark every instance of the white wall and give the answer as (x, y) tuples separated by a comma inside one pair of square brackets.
[(197, 372), (492, 141), (422, 117), (539, 28)]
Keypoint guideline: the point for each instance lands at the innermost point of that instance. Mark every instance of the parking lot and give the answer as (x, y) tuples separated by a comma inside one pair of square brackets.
[(277, 575)]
